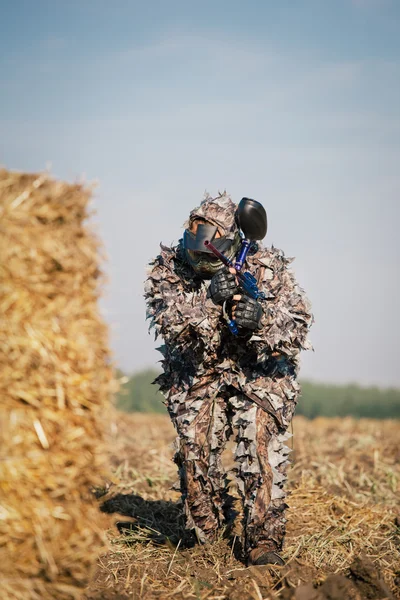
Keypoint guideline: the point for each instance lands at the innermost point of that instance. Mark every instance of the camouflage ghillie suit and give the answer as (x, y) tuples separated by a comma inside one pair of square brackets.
[(218, 385)]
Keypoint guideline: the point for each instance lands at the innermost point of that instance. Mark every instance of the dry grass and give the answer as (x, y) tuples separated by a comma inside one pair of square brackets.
[(344, 487), (55, 386)]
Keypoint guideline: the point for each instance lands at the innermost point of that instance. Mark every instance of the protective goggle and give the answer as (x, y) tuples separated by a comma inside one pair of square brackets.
[(195, 241)]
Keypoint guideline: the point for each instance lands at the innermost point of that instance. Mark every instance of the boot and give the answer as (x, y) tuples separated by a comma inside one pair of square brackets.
[(262, 555)]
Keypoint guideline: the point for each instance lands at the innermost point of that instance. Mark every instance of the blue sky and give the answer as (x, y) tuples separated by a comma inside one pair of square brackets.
[(293, 103)]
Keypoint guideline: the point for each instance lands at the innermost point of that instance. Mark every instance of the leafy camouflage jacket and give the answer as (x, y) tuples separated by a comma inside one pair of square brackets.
[(199, 351)]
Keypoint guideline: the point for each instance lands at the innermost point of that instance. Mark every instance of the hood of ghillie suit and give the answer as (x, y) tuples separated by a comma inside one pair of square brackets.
[(220, 212)]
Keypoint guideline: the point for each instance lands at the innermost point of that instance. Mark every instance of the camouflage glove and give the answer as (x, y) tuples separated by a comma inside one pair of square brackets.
[(223, 286), (248, 313)]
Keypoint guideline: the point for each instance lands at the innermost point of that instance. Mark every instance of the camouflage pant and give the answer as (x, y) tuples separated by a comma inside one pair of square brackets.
[(250, 504)]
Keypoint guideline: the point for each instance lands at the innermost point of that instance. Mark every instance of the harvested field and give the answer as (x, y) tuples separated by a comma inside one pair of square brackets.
[(343, 537)]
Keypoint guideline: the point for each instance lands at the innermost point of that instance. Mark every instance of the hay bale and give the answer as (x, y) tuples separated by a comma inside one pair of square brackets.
[(56, 378)]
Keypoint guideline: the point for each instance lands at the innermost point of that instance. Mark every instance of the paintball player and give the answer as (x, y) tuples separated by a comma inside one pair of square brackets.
[(222, 381)]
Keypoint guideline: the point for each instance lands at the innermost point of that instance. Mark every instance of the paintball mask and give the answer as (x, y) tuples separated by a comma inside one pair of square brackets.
[(202, 260)]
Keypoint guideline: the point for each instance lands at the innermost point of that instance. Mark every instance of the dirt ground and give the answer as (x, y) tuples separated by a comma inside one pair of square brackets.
[(343, 536)]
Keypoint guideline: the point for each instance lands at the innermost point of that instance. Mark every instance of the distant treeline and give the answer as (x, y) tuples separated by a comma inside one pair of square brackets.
[(317, 399)]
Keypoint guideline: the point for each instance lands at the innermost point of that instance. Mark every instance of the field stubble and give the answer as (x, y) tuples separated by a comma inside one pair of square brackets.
[(343, 533)]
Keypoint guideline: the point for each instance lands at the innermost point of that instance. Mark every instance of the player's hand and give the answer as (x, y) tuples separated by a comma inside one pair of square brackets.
[(247, 312), (223, 286)]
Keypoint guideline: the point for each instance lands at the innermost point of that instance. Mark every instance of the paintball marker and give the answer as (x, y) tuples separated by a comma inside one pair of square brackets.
[(252, 220)]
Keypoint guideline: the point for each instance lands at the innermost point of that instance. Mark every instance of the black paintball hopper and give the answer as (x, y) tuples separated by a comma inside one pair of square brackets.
[(252, 219)]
